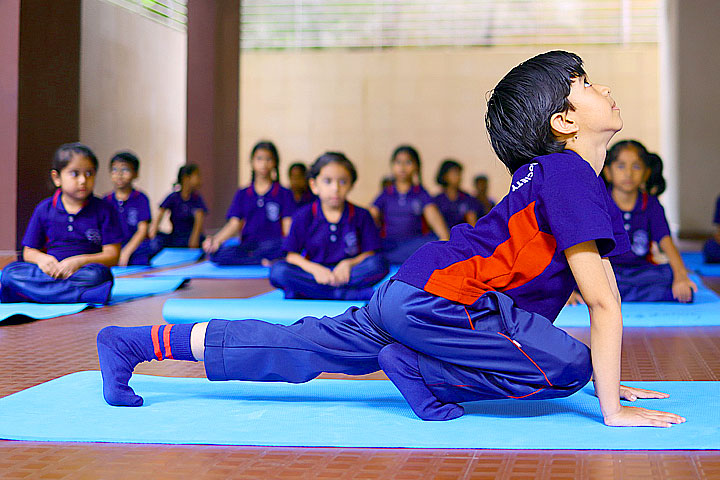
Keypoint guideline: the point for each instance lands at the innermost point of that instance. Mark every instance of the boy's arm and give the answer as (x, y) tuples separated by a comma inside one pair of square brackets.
[(132, 244), (682, 286), (230, 229), (376, 215), (108, 257), (155, 225), (322, 274), (194, 241), (286, 224), (592, 276), (436, 221)]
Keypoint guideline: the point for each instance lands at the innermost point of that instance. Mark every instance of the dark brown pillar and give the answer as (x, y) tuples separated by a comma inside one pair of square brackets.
[(213, 84), (39, 102)]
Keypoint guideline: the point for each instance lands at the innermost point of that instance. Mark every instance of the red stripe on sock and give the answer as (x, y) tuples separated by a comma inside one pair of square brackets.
[(156, 341), (166, 340)]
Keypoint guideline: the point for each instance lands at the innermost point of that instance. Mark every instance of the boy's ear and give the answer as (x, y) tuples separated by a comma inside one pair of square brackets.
[(55, 175), (563, 125)]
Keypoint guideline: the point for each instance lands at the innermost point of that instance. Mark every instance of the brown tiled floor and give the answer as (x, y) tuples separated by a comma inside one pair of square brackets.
[(67, 344)]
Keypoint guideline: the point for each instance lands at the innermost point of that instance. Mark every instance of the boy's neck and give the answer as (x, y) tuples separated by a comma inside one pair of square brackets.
[(332, 214), (452, 192), (123, 193), (403, 186), (186, 192), (592, 152), (72, 205), (625, 200)]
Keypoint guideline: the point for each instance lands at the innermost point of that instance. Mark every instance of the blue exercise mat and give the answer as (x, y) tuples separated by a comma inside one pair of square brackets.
[(118, 271), (342, 413), (285, 312), (167, 257), (210, 270), (123, 290), (694, 261), (704, 311)]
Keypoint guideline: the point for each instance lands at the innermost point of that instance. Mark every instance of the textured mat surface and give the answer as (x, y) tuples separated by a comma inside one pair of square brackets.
[(166, 258), (357, 413), (208, 269)]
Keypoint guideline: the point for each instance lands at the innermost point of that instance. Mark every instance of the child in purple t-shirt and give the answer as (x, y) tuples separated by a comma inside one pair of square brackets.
[(711, 249), (405, 210), (470, 318), (133, 208), (302, 195), (261, 213), (455, 205), (72, 239), (187, 212), (639, 278), (332, 244)]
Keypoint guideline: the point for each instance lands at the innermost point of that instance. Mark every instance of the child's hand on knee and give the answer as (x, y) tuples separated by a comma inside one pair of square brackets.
[(342, 273), (323, 275), (67, 267), (683, 289), (49, 266)]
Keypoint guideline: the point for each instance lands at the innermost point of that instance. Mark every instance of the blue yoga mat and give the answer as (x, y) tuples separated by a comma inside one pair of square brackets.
[(118, 271), (123, 290), (210, 270), (191, 310), (694, 261), (167, 257), (341, 413)]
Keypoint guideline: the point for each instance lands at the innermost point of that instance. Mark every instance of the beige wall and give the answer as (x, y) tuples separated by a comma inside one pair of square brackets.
[(367, 102), (132, 94)]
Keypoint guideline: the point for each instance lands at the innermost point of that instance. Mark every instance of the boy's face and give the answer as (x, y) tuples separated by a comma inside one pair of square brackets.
[(332, 185), (122, 175), (595, 111), (297, 179)]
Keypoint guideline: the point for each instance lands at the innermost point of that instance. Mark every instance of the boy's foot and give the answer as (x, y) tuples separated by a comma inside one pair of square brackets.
[(119, 351), (400, 364)]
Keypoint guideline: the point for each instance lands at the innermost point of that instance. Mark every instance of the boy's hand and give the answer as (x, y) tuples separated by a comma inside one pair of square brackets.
[(67, 267), (683, 289), (49, 265), (641, 417), (209, 245), (323, 275), (342, 273), (575, 299), (124, 259), (631, 393)]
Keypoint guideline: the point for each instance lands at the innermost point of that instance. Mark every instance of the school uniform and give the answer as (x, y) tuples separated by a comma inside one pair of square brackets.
[(639, 278), (182, 218), (326, 243), (62, 235), (131, 212), (454, 211), (305, 199), (711, 249), (261, 236), (404, 229), (477, 310)]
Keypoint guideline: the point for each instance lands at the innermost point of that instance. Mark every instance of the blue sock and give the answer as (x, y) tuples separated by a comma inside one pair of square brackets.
[(400, 364), (120, 349)]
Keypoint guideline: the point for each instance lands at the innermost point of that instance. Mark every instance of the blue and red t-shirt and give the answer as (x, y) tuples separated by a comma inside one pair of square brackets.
[(329, 243), (132, 211), (62, 234), (645, 223), (454, 211), (263, 214), (554, 203), (402, 213), (182, 212)]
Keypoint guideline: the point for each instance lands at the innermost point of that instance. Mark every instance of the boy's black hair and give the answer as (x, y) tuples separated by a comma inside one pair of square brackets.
[(65, 152), (480, 177), (126, 157), (414, 156), (299, 165), (185, 171), (445, 167), (521, 105), (332, 157), (270, 147), (655, 184)]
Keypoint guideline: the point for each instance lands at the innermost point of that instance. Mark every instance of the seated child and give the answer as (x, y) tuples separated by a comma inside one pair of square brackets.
[(332, 244), (471, 318), (133, 208), (404, 210), (639, 279), (302, 195), (455, 205), (187, 213), (711, 250), (481, 187), (72, 239), (261, 213)]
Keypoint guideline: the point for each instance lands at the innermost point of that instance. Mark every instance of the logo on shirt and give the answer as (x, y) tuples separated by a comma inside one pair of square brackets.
[(272, 211), (351, 244), (525, 179), (640, 243), (93, 236), (132, 217), (416, 206)]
